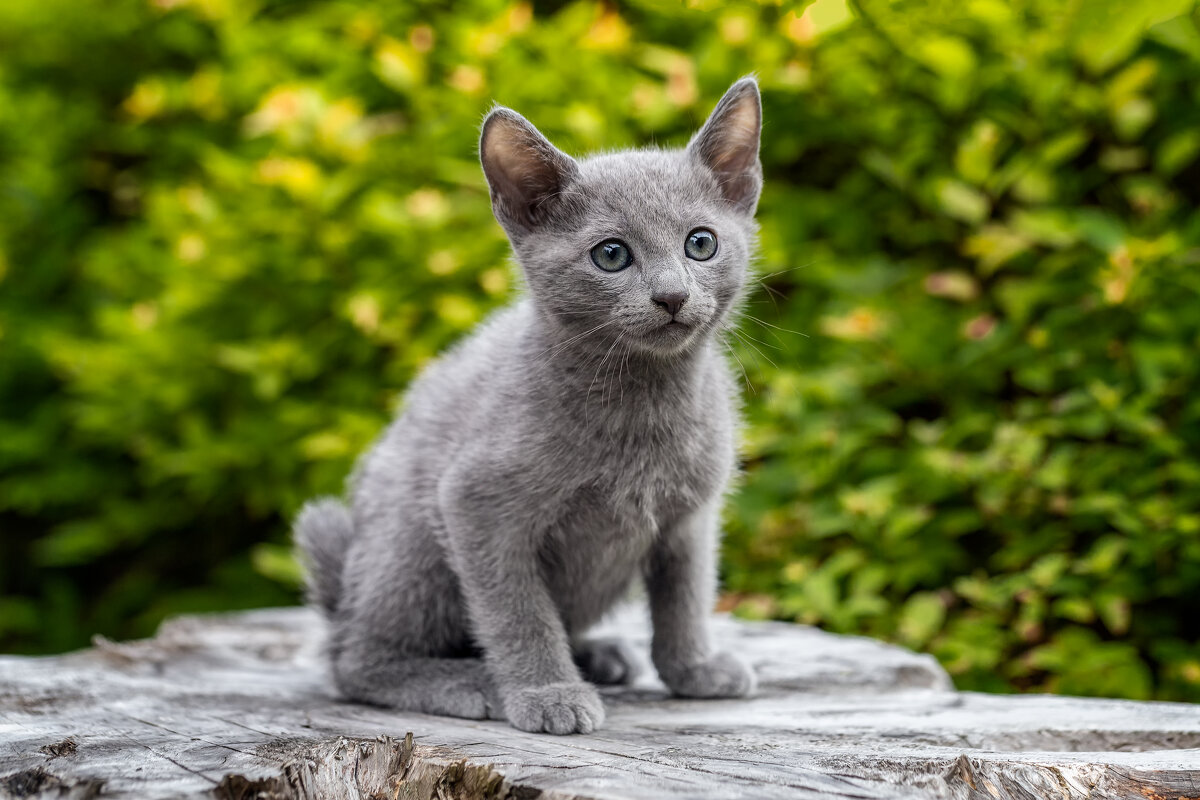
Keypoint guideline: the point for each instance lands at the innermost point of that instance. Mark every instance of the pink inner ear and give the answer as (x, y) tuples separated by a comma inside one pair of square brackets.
[(739, 138), (523, 169), (505, 156), (512, 153), (728, 145)]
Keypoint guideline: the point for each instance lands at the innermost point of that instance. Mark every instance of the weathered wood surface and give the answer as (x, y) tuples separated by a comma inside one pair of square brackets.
[(238, 707)]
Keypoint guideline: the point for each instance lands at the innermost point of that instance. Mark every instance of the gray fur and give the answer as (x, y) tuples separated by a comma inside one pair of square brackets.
[(323, 530), (572, 444)]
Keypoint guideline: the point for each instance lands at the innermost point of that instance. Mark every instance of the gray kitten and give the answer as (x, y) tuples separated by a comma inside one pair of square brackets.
[(577, 439)]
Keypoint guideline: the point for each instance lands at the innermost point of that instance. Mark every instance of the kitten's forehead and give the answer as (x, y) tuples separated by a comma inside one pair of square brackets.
[(646, 182)]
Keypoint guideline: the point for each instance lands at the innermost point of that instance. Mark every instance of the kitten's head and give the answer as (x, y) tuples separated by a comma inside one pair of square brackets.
[(651, 247)]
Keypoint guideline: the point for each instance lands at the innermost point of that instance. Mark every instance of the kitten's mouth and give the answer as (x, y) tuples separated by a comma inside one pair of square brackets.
[(672, 333), (666, 338), (673, 329)]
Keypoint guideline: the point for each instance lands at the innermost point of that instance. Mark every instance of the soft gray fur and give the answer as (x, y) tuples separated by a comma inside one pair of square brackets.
[(574, 442)]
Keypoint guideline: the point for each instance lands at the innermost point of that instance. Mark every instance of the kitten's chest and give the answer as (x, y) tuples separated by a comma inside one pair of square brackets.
[(651, 440), (610, 523), (593, 555), (650, 465), (624, 475)]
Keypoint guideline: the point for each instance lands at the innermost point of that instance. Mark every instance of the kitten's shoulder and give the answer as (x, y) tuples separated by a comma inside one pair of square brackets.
[(470, 369)]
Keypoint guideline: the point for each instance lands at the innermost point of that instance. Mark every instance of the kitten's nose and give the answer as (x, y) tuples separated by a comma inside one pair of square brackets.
[(671, 301)]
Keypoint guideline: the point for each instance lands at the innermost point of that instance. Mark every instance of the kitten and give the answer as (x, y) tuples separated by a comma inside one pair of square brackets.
[(578, 439)]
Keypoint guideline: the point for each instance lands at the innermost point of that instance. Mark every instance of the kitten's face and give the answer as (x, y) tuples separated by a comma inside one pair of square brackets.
[(645, 250), (648, 252)]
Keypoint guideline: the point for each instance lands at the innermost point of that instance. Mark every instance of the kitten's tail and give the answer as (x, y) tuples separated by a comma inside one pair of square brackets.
[(322, 531)]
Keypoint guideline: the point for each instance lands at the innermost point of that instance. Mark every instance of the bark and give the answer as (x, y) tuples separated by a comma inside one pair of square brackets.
[(238, 706)]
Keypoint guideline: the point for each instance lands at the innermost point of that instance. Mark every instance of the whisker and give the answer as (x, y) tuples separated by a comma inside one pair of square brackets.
[(752, 346), (624, 363), (786, 271), (588, 396), (760, 341), (745, 376), (772, 293), (776, 327), (560, 345)]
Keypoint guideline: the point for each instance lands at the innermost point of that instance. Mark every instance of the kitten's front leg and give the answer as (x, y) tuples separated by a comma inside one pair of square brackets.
[(513, 616), (681, 581)]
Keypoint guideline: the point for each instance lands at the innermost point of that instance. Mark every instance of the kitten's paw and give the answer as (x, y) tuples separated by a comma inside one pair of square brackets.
[(555, 708), (462, 704), (607, 661), (465, 700), (722, 675)]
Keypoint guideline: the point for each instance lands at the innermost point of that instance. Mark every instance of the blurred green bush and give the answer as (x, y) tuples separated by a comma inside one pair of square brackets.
[(230, 233)]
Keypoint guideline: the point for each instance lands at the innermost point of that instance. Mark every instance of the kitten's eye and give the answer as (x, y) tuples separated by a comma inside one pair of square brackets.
[(611, 255), (701, 244)]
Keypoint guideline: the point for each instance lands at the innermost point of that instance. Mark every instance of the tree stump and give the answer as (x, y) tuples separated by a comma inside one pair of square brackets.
[(239, 706)]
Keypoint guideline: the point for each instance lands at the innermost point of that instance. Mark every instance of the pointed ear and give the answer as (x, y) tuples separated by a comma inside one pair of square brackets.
[(525, 173), (728, 145)]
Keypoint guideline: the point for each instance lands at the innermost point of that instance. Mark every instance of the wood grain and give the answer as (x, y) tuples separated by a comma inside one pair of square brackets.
[(237, 706)]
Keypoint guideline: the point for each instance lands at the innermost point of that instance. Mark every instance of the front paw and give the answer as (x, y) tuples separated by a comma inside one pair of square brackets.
[(607, 661), (722, 675), (555, 708), (466, 702)]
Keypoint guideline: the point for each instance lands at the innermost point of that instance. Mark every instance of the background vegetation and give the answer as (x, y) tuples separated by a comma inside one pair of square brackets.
[(231, 232)]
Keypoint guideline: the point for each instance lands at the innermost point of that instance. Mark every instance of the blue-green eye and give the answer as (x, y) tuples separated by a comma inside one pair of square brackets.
[(612, 255), (701, 244)]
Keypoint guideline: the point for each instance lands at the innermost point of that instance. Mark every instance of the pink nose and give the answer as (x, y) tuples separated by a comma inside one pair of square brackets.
[(671, 301)]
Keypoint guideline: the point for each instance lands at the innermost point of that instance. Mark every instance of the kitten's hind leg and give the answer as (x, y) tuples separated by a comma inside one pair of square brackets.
[(607, 661), (399, 637), (454, 687)]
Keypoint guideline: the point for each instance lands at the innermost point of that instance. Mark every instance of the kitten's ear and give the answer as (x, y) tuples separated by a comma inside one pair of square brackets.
[(728, 144), (524, 171)]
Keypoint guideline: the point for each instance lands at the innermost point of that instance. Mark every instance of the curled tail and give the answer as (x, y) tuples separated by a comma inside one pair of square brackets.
[(323, 530)]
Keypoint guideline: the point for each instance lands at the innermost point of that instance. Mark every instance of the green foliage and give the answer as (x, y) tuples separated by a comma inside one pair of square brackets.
[(230, 233)]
